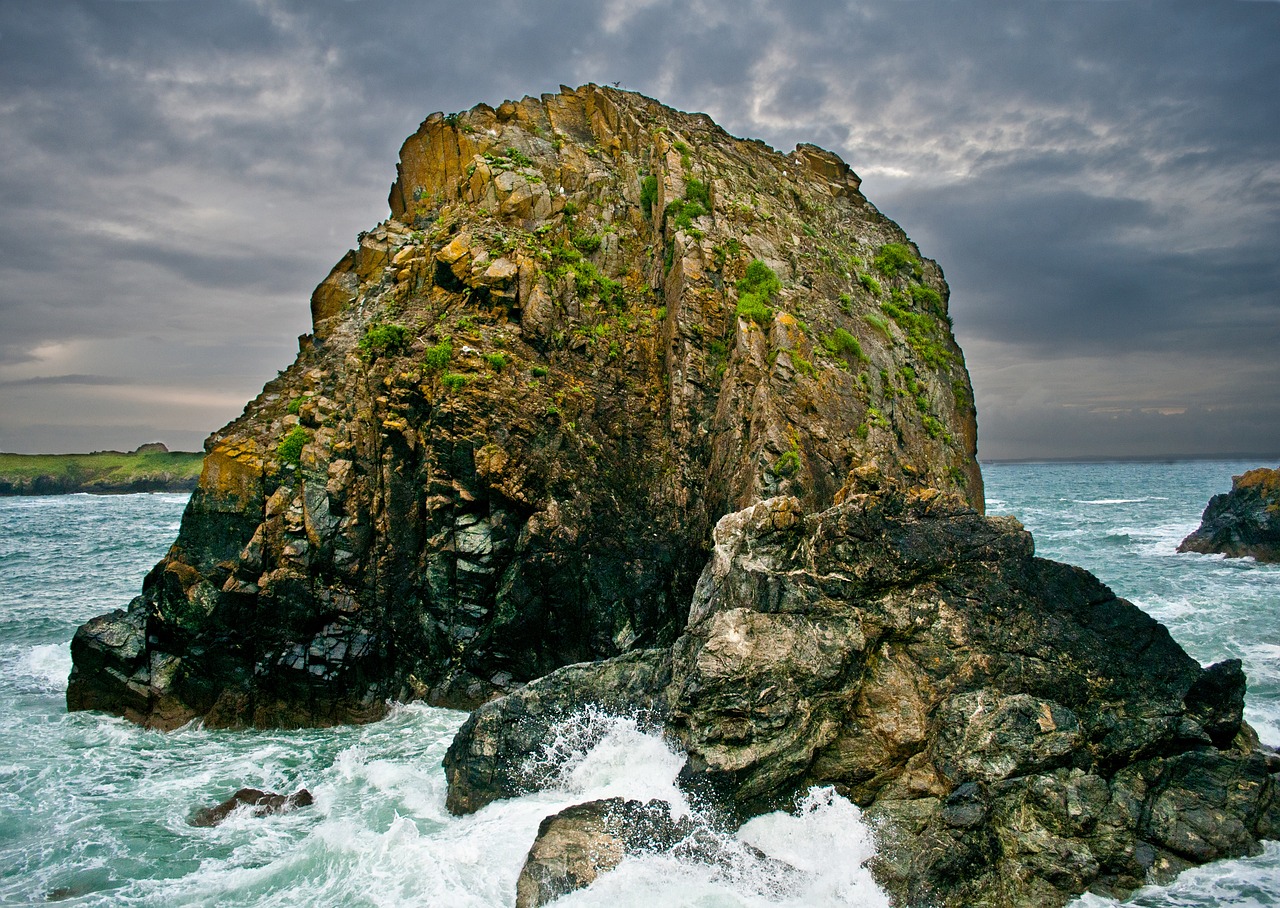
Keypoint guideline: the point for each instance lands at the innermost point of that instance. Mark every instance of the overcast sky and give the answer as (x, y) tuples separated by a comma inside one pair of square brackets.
[(1100, 182)]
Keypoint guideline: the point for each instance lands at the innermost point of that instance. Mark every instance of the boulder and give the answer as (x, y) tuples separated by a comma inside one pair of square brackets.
[(489, 758), (576, 845), (1244, 522), (579, 843)]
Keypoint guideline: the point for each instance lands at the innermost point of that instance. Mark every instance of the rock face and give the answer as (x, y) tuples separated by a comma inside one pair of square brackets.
[(1242, 522), (592, 327), (1016, 732)]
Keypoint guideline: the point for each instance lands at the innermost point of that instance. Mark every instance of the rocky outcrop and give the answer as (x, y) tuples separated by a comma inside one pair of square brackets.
[(1244, 522), (260, 804), (592, 326), (1017, 734)]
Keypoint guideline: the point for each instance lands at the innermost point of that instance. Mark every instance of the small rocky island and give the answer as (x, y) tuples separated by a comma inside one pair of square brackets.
[(619, 410), (1244, 522)]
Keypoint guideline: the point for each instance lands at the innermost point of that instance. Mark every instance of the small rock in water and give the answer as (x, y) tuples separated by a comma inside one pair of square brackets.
[(262, 802), (581, 842), (1244, 522)]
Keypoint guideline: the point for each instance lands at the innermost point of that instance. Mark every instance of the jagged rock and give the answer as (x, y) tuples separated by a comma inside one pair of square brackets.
[(528, 397), (263, 803), (490, 758), (1242, 522), (1017, 733)]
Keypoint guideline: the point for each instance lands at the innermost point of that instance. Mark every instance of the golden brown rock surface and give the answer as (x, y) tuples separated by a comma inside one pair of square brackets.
[(592, 326)]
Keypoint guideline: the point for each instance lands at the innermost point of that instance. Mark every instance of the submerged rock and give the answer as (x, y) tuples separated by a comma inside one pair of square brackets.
[(1242, 522), (592, 326), (1016, 733), (263, 803)]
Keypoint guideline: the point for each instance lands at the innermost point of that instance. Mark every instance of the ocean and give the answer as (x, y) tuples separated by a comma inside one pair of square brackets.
[(93, 811)]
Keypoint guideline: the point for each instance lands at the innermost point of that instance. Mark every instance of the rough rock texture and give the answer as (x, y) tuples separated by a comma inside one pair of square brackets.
[(1242, 522), (579, 843), (1017, 733), (262, 803), (501, 751), (528, 397)]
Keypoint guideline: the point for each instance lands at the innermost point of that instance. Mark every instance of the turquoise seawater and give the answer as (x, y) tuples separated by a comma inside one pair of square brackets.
[(93, 810)]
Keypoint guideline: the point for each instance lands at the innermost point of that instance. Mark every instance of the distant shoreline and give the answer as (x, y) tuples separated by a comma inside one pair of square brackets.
[(1261, 459), (151, 468)]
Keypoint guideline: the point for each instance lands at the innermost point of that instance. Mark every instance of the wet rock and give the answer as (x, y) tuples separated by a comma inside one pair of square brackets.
[(261, 804), (501, 750), (1016, 733), (1244, 522), (578, 844)]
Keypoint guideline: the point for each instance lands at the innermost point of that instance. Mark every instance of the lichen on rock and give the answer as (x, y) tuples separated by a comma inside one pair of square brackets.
[(527, 398)]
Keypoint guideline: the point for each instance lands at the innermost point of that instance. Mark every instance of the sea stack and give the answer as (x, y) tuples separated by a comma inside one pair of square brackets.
[(592, 326)]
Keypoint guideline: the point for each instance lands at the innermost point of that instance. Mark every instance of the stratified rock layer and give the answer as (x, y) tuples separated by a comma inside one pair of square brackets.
[(1242, 522), (527, 400), (1016, 732)]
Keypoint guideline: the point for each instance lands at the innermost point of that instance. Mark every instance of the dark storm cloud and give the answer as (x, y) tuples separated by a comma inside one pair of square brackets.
[(1101, 183)]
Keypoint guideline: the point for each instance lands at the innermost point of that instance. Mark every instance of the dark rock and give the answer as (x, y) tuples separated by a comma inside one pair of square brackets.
[(490, 757), (1015, 732), (1242, 522), (263, 803), (526, 401)]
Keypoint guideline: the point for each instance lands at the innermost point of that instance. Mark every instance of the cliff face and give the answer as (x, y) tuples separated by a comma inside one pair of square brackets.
[(1244, 522), (592, 326)]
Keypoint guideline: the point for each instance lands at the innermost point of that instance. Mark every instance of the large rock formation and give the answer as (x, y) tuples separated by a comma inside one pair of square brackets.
[(1242, 522), (592, 326), (1016, 732)]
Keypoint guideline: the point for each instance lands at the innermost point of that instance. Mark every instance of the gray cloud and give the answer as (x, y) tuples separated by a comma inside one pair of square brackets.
[(1101, 183)]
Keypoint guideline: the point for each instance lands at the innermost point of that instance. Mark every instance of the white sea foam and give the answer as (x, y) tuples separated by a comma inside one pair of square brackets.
[(1113, 500), (46, 665)]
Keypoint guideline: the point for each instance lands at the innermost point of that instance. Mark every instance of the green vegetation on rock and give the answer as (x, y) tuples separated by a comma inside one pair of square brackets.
[(895, 258), (841, 343), (289, 451), (383, 340), (756, 291)]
